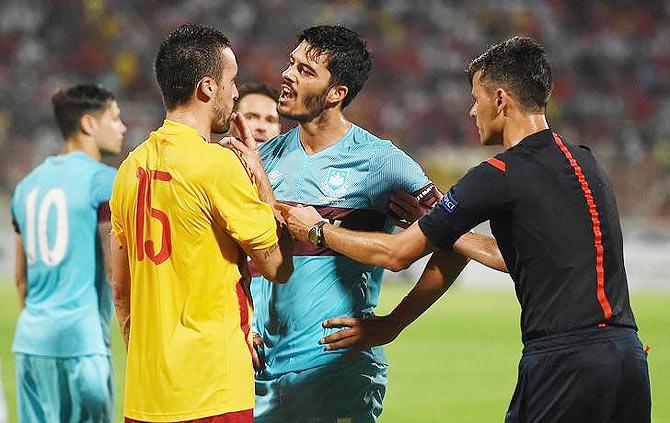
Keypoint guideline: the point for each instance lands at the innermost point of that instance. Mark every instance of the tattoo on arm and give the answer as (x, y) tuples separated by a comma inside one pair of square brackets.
[(270, 250)]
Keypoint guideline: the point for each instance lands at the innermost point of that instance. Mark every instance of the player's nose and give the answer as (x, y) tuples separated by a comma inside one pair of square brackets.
[(287, 76)]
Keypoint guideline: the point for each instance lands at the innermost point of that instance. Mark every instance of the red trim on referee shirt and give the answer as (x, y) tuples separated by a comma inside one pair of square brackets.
[(595, 220), (499, 164)]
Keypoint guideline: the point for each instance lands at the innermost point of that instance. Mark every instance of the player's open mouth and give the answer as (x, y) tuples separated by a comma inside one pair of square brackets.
[(286, 93)]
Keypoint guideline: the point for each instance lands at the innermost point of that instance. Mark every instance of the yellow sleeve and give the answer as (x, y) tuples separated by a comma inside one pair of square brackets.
[(115, 204), (237, 207)]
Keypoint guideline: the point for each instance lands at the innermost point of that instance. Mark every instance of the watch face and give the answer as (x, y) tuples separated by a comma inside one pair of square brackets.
[(312, 235)]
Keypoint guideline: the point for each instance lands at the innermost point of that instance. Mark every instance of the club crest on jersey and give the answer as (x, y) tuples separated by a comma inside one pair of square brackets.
[(336, 182)]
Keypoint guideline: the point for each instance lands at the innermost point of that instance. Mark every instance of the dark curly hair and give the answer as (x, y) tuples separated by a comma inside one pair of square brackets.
[(519, 63), (348, 58)]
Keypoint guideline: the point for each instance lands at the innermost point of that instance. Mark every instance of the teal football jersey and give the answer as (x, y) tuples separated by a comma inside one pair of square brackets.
[(350, 184), (56, 210)]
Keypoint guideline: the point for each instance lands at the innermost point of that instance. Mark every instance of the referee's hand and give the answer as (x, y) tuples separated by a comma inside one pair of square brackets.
[(358, 334)]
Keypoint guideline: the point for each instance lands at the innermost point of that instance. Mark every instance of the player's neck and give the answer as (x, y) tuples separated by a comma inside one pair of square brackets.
[(522, 125), (193, 119), (83, 144), (324, 131)]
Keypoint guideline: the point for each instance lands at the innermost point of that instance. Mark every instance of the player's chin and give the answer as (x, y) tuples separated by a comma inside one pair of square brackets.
[(114, 148), (221, 128)]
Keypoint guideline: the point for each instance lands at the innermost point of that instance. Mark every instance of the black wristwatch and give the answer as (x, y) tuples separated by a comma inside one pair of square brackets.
[(315, 234)]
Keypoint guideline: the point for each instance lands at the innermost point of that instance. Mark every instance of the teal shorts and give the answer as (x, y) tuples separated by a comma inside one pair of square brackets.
[(77, 389), (342, 392)]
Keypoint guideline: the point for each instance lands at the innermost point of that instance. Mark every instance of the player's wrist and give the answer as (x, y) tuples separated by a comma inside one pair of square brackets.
[(315, 234)]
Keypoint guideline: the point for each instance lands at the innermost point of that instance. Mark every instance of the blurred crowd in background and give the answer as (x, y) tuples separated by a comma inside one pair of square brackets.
[(611, 65)]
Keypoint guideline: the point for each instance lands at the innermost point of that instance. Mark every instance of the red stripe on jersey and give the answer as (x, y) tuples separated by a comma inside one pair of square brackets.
[(244, 305), (498, 164), (595, 221), (244, 416)]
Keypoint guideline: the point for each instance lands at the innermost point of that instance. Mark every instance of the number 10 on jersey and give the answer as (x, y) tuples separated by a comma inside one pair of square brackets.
[(148, 248)]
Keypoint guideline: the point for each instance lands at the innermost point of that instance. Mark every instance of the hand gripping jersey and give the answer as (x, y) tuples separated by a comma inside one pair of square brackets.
[(56, 210), (350, 184)]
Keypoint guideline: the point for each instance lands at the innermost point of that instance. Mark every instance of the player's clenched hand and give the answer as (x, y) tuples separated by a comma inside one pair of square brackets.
[(407, 207), (358, 333), (299, 219)]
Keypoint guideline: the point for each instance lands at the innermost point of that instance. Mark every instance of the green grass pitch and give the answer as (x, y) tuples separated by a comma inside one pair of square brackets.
[(457, 363)]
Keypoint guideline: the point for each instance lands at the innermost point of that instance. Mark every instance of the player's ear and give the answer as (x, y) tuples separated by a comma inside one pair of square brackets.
[(501, 99), (337, 94), (88, 124), (206, 88)]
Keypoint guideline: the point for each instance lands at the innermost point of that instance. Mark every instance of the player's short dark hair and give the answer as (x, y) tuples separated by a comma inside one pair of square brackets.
[(348, 58), (519, 63), (256, 88), (72, 103), (185, 56)]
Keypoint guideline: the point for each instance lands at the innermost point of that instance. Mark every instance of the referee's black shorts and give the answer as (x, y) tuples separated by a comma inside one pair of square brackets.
[(590, 376)]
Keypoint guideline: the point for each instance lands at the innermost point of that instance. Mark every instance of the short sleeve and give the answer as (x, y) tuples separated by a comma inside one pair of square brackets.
[(237, 207), (116, 207), (393, 170), (481, 193), (101, 189), (102, 183)]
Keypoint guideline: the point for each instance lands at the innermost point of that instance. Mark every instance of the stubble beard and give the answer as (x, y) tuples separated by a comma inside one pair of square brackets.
[(222, 124), (315, 105)]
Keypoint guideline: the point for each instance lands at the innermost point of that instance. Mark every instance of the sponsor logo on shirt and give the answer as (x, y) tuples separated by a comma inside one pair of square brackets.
[(449, 202), (274, 177), (336, 183)]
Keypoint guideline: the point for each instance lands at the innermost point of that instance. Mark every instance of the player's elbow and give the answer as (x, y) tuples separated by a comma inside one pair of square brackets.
[(397, 260), (281, 273)]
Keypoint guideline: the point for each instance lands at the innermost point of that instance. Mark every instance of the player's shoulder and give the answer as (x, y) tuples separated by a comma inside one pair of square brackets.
[(36, 176), (278, 144), (497, 164), (363, 141)]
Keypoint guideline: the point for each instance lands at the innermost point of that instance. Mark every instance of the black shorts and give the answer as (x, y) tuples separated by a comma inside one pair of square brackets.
[(590, 376)]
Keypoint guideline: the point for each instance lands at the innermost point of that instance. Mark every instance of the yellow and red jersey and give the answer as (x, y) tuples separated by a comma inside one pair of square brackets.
[(183, 208)]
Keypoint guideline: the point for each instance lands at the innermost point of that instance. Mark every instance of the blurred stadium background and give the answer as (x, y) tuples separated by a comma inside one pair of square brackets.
[(611, 65)]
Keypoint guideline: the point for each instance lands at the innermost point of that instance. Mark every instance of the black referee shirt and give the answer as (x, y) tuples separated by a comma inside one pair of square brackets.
[(554, 216)]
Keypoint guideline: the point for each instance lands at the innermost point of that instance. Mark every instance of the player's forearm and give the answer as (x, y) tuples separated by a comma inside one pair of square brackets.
[(481, 248), (286, 249), (440, 273), (121, 285), (390, 251), (374, 248), (264, 188), (22, 290), (21, 272), (121, 290), (123, 314)]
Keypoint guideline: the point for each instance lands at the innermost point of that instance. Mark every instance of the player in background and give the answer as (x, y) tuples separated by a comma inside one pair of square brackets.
[(348, 174), (257, 102), (184, 213), (554, 215), (61, 218)]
